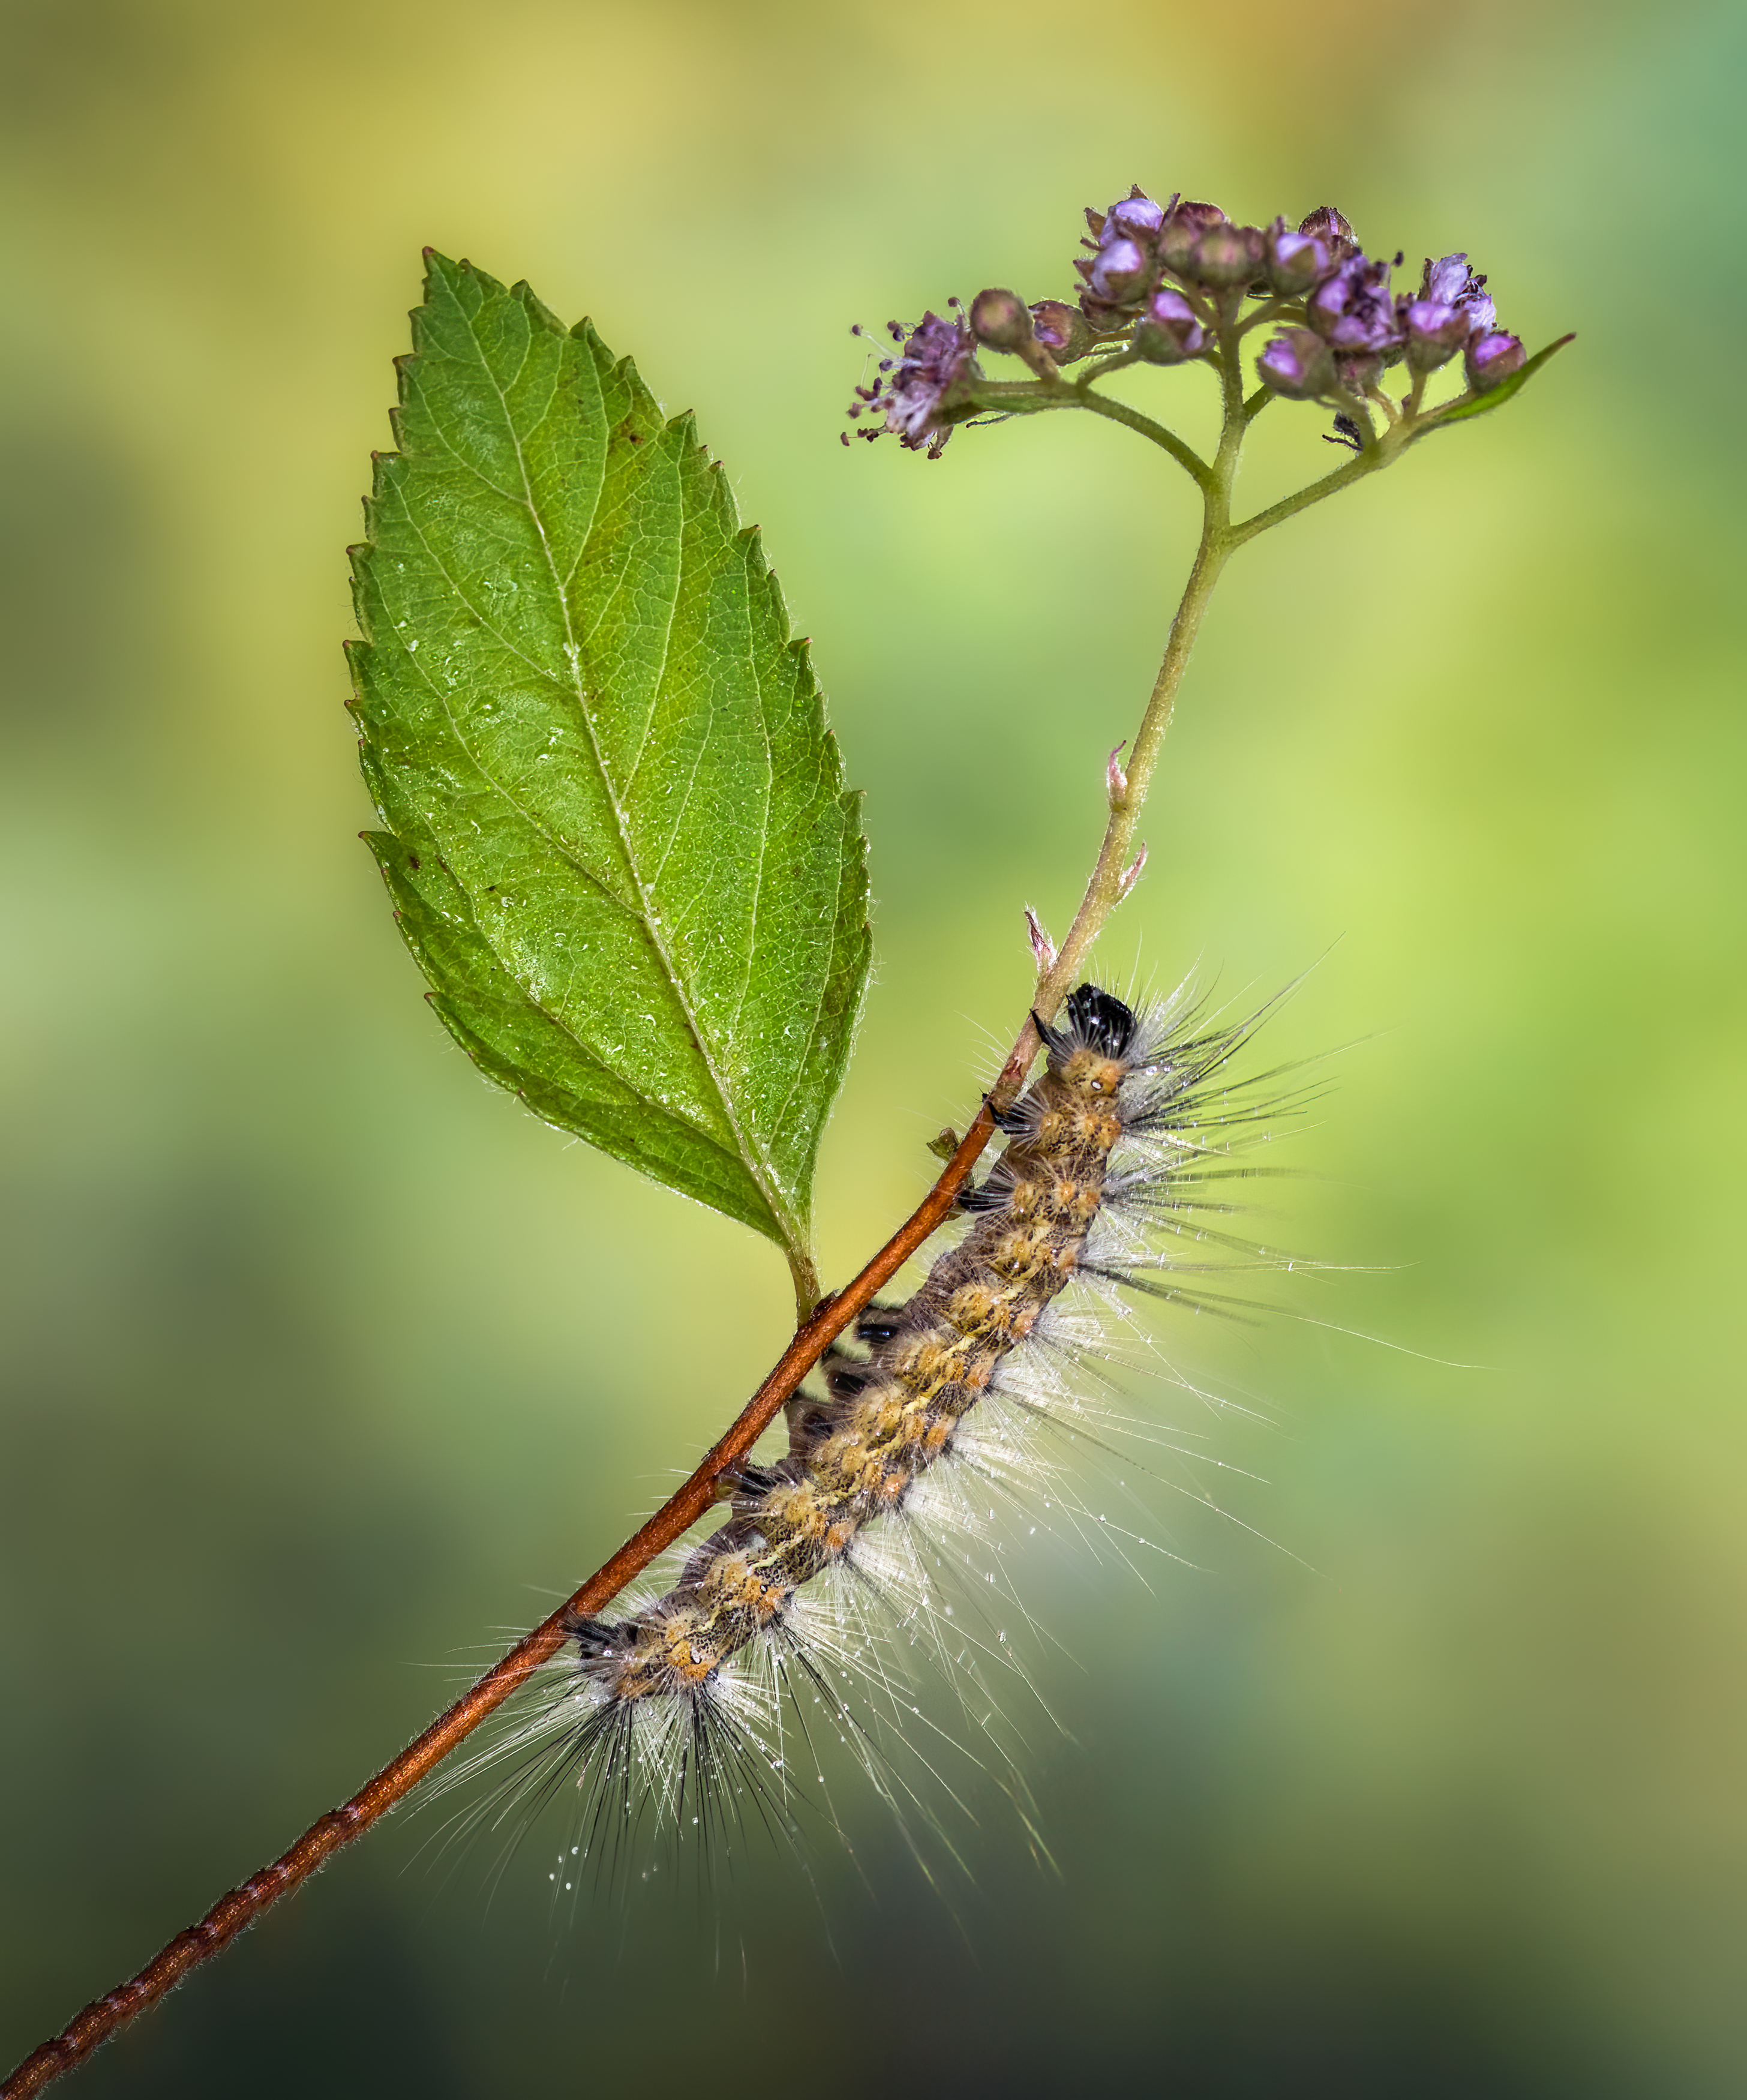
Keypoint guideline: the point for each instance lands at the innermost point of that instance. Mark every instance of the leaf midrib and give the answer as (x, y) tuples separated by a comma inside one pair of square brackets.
[(537, 825), (754, 1162)]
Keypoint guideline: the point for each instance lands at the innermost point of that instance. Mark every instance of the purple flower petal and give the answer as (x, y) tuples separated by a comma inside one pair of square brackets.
[(1354, 310), (1120, 270), (1136, 216), (1168, 331), (937, 358)]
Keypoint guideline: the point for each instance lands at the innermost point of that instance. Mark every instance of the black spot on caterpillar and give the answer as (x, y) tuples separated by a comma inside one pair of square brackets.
[(685, 1708)]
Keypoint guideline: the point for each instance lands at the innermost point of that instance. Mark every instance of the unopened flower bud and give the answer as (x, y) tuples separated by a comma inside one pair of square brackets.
[(1000, 319), (1482, 315), (1136, 216), (1119, 272), (1168, 332), (1225, 255), (1061, 329), (1183, 228), (1297, 263), (1435, 333), (1299, 364), (1492, 359), (1330, 227)]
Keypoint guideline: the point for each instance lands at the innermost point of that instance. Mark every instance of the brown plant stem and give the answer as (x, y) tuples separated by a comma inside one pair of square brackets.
[(234, 1913)]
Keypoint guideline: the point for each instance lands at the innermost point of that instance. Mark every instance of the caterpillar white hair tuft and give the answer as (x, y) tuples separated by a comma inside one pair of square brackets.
[(708, 1695)]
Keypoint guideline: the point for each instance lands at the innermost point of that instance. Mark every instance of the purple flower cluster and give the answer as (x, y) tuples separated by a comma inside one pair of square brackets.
[(1165, 276), (1137, 246), (1354, 325), (1454, 311), (1167, 283)]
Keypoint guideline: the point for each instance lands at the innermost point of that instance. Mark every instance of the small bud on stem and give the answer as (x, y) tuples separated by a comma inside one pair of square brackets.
[(1000, 319), (1330, 227), (1296, 261), (1492, 359), (1061, 330), (1298, 364), (1168, 331)]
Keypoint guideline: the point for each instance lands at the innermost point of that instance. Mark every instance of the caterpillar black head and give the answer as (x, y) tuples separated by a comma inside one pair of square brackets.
[(1100, 1021)]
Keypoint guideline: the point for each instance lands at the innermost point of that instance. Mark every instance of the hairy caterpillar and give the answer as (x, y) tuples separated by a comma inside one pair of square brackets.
[(1127, 1131)]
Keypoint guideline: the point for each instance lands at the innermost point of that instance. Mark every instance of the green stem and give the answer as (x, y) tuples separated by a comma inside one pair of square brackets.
[(803, 1273), (1025, 397), (1119, 412), (1269, 311), (1109, 884), (1106, 888), (1116, 362), (1220, 539), (1381, 454)]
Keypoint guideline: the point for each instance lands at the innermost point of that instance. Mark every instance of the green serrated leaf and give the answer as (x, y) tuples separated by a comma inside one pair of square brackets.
[(1500, 394), (616, 833)]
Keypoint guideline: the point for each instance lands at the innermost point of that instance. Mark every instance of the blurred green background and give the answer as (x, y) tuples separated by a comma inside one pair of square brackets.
[(324, 1363)]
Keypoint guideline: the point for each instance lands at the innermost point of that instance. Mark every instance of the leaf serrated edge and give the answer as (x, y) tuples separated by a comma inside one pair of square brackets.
[(788, 1221), (549, 1099)]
